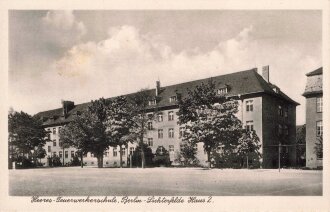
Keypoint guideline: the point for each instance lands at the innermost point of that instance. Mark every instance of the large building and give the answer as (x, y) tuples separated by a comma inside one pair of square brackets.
[(263, 107), (314, 110)]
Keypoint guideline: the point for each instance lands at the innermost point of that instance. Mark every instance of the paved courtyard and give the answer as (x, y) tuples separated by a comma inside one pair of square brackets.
[(74, 181)]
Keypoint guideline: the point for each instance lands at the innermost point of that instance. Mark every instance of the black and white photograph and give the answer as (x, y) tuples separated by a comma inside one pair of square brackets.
[(164, 106)]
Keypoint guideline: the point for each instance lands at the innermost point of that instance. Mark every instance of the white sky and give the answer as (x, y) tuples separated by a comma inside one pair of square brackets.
[(84, 55)]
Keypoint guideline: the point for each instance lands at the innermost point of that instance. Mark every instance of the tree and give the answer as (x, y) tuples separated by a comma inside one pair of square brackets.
[(318, 149), (88, 132), (187, 154), (25, 132), (209, 118), (120, 123), (140, 111), (75, 134), (39, 152), (249, 144), (97, 129), (301, 144), (162, 157), (137, 156)]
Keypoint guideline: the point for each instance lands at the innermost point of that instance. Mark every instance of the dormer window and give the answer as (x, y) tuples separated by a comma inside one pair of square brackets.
[(222, 91), (152, 102), (276, 90), (173, 99)]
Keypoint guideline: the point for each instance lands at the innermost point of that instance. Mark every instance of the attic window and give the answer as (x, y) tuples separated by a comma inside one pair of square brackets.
[(152, 102), (173, 99), (222, 91)]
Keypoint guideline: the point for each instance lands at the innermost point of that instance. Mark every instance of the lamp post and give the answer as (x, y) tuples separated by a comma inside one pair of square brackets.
[(279, 157)]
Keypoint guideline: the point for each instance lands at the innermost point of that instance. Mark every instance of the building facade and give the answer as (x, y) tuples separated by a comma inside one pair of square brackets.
[(314, 111), (263, 107)]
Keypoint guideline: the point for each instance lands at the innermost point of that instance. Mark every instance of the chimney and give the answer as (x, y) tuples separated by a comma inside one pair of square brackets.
[(265, 73), (67, 106), (157, 87)]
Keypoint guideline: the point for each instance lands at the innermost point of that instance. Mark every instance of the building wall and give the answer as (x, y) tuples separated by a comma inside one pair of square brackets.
[(165, 125), (312, 116), (263, 115), (271, 132)]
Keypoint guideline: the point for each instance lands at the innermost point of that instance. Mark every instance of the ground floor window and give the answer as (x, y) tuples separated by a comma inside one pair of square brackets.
[(319, 128)]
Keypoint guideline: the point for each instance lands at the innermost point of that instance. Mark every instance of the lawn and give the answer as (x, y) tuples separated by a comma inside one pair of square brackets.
[(75, 181)]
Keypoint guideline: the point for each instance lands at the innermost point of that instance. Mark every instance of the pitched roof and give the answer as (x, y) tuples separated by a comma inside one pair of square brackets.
[(318, 71), (243, 82), (314, 83)]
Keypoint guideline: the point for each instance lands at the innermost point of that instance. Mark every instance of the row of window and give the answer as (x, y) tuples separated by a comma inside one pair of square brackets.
[(319, 104), (154, 102), (60, 153), (283, 129), (170, 133), (54, 130), (282, 112)]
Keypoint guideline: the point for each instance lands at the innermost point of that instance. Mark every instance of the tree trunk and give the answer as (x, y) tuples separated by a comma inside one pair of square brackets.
[(208, 159), (100, 161), (143, 159), (247, 161), (63, 157), (82, 160), (120, 157)]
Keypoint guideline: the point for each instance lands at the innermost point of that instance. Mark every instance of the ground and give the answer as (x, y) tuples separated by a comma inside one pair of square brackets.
[(76, 181)]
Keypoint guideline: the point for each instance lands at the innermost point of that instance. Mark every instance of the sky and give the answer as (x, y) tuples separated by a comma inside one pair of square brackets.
[(84, 55)]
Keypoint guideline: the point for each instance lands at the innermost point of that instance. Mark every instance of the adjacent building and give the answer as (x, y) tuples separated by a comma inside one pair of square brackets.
[(263, 107), (314, 123)]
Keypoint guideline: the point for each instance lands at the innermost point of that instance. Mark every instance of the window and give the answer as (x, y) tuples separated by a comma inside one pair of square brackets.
[(160, 117), (249, 125), (48, 135), (54, 130), (319, 104), (66, 154), (173, 99), (152, 102), (54, 142), (171, 148), (115, 151), (149, 115), (181, 132), (106, 154), (170, 115), (150, 142), (123, 151), (171, 133), (286, 130), (49, 149), (249, 105), (222, 91), (150, 125), (72, 154), (280, 129), (131, 150), (160, 133), (280, 110), (60, 154), (286, 112), (319, 128)]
